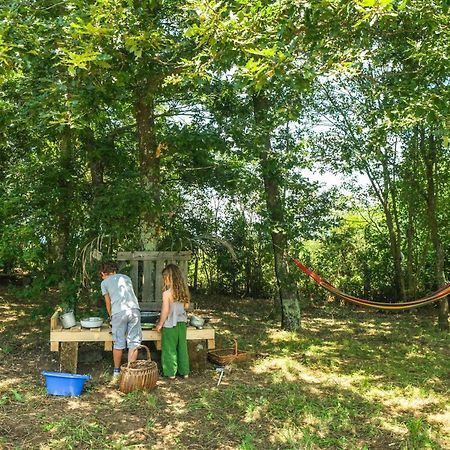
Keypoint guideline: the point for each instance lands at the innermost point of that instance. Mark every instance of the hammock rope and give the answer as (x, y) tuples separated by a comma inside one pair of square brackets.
[(439, 294)]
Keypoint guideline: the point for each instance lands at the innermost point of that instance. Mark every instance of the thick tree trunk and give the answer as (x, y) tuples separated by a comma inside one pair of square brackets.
[(429, 153), (64, 207), (149, 165), (287, 304)]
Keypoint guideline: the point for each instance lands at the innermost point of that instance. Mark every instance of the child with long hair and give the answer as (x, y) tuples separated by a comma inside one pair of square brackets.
[(173, 323)]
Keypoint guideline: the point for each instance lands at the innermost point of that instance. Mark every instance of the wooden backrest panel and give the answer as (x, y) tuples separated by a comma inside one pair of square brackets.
[(144, 269)]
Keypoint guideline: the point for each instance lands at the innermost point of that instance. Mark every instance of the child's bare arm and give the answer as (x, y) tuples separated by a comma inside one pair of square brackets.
[(164, 310), (108, 304)]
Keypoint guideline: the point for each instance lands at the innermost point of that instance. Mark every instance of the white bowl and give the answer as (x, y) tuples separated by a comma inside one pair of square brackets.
[(197, 321), (91, 322)]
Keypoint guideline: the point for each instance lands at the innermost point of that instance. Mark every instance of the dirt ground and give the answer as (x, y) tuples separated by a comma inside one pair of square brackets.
[(31, 419), (303, 391)]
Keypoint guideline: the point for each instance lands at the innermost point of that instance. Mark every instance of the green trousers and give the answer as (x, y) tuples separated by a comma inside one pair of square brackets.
[(174, 352)]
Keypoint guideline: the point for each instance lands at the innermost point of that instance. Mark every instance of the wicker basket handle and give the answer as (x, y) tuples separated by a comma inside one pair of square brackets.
[(235, 347), (149, 358)]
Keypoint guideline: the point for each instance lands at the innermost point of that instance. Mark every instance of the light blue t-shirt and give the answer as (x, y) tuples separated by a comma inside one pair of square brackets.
[(120, 290)]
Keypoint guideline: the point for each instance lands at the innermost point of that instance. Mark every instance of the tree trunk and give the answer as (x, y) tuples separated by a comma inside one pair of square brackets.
[(149, 165), (64, 204), (429, 154), (411, 279), (383, 192), (96, 168), (411, 193), (287, 304), (397, 256), (195, 285)]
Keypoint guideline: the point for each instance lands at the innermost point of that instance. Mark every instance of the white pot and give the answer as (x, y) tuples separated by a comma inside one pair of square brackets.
[(91, 322)]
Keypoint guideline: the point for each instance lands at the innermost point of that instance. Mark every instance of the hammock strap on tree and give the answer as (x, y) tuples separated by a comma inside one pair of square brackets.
[(439, 294)]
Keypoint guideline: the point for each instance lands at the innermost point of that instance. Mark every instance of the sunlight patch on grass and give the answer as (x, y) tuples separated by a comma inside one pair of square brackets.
[(112, 395), (284, 368), (76, 403), (169, 434), (287, 435), (305, 437), (68, 432), (277, 336), (255, 410), (5, 385), (443, 418), (390, 427), (176, 403), (289, 369)]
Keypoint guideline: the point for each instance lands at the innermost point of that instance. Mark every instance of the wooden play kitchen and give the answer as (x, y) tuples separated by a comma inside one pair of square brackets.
[(144, 269)]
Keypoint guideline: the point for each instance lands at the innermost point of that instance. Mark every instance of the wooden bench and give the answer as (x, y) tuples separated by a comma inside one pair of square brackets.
[(66, 340)]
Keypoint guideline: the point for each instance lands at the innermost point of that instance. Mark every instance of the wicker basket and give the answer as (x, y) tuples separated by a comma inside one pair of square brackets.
[(226, 356), (140, 374)]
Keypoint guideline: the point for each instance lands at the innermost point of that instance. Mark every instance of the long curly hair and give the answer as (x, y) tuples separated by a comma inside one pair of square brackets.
[(173, 279)]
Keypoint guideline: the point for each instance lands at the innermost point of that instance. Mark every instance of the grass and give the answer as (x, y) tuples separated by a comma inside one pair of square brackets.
[(351, 379)]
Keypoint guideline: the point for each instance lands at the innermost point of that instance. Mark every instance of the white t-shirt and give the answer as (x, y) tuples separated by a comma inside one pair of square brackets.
[(120, 290)]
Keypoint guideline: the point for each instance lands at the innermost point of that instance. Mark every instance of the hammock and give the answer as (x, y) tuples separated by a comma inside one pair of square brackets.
[(429, 298)]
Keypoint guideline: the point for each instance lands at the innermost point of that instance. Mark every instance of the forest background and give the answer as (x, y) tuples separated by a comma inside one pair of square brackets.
[(167, 125)]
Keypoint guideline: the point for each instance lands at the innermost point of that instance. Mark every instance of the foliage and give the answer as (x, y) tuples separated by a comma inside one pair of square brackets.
[(351, 88)]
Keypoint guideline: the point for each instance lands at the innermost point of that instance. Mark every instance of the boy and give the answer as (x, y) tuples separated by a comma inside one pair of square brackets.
[(125, 315)]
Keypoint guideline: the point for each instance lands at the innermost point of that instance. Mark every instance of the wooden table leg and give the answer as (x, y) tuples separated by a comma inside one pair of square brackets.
[(54, 346), (198, 356), (68, 357)]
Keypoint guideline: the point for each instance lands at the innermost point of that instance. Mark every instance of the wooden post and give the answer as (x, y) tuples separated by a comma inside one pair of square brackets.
[(108, 346), (198, 355), (54, 320), (68, 357)]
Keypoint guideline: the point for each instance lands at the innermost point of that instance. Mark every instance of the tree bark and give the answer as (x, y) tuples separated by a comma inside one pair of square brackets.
[(96, 168), (195, 285), (64, 200), (383, 192), (149, 163), (429, 154), (287, 305), (411, 193)]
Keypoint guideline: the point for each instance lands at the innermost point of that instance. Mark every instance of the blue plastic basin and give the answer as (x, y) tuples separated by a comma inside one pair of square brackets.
[(66, 384)]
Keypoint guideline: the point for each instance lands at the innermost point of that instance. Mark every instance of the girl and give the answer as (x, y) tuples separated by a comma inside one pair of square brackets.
[(173, 323)]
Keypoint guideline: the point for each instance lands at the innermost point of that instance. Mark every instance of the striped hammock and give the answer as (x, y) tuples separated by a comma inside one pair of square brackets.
[(439, 294)]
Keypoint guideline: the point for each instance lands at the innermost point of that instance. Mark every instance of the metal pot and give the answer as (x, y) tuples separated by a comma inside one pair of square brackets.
[(68, 319), (150, 316), (91, 322)]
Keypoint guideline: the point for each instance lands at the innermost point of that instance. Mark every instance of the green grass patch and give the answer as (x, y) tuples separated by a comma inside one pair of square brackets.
[(348, 380), (69, 433)]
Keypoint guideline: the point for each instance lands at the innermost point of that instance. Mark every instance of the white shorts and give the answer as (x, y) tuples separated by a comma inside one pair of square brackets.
[(126, 329)]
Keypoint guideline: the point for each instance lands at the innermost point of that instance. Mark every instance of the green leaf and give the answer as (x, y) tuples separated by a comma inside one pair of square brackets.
[(18, 397), (267, 52)]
